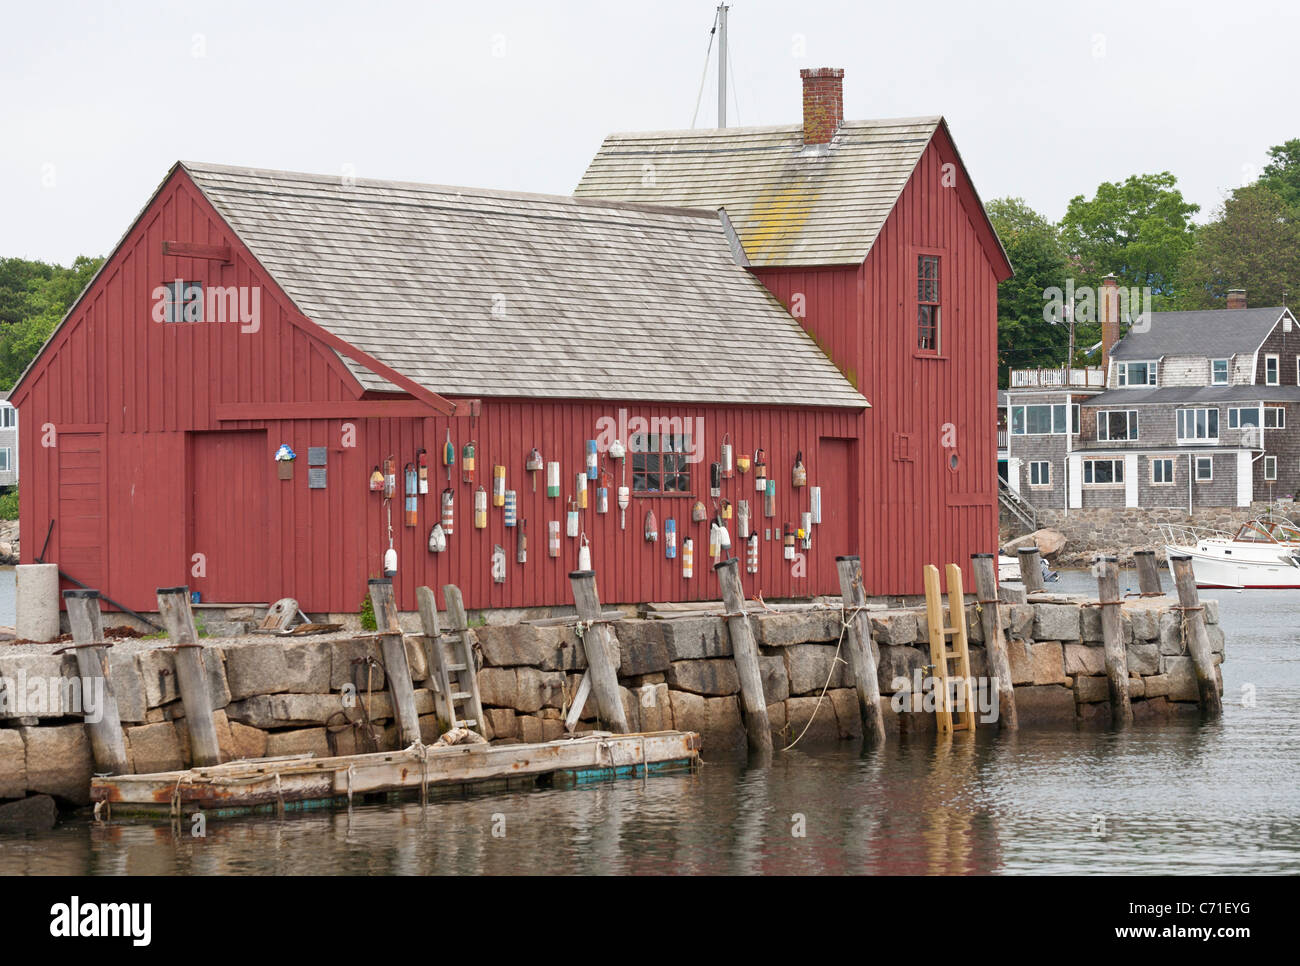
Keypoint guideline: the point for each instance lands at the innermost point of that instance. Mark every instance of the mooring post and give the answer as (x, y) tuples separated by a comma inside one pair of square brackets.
[(1198, 640), (1031, 570), (1148, 574), (396, 669), (597, 645), (1112, 633), (862, 660), (191, 676), (106, 740), (745, 653), (985, 566)]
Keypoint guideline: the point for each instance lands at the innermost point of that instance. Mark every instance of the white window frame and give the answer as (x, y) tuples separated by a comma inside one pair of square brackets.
[(1281, 417), (8, 417), (1131, 425), (1033, 464), (1179, 423), (1234, 417), (6, 459), (1297, 370), (1121, 373), (1153, 460), (1196, 469), (1227, 372), (1270, 474), (1024, 420), (1117, 472), (1277, 369)]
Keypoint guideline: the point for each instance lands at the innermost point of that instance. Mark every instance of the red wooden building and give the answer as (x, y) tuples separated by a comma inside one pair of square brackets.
[(872, 234), (356, 321)]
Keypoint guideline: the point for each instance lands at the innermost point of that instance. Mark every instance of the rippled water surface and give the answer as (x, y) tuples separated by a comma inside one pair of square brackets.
[(1180, 798)]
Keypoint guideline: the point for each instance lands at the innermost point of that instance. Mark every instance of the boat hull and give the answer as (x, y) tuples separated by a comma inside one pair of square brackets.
[(1261, 571)]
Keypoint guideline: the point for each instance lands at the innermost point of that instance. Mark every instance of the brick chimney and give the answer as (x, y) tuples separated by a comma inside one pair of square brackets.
[(1236, 298), (823, 103), (1108, 309)]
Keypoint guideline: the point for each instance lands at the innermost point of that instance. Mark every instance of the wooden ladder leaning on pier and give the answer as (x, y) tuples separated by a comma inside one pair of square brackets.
[(941, 654), (451, 659)]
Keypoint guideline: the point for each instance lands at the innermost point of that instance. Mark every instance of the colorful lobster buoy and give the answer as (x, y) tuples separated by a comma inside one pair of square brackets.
[(760, 471), (467, 463), (724, 537), (571, 527), (422, 461), (726, 509), (624, 498), (789, 542), (698, 513), (742, 519), (377, 481), (512, 507), (480, 508), (799, 476), (437, 539), (670, 538), (552, 480), (651, 527), (617, 450), (688, 558), (409, 473), (448, 511), (769, 499), (521, 543), (742, 464), (815, 501), (498, 564), (591, 459), (553, 538), (751, 554), (498, 486), (584, 554), (580, 488), (715, 480), (715, 541), (602, 494), (448, 455), (725, 456), (533, 464), (390, 478)]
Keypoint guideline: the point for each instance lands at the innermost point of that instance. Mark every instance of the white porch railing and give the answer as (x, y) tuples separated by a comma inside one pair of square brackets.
[(1088, 377)]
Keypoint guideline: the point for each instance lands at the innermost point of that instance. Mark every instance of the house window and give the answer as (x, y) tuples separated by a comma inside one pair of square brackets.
[(1117, 424), (660, 463), (1040, 473), (1204, 468), (927, 303), (8, 417), (1162, 471), (1040, 420), (1136, 373), (6, 459), (1274, 417), (1197, 424), (1238, 418), (1218, 372), (1270, 467), (183, 301), (1103, 472), (1074, 419), (1271, 370)]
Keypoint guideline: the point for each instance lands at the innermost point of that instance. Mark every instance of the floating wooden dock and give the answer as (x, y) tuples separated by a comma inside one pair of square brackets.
[(280, 783)]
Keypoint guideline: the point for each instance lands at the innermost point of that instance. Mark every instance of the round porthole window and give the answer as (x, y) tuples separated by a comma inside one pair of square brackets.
[(954, 461)]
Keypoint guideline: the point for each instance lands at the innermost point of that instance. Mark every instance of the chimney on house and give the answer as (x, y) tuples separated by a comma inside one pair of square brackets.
[(823, 103), (1236, 298), (1108, 309)]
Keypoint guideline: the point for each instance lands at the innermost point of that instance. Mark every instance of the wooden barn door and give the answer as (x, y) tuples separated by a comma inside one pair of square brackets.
[(81, 525), (836, 474), (232, 474)]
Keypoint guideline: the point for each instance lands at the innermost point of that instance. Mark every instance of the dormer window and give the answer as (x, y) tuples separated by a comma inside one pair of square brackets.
[(1218, 372), (1136, 373), (1272, 370)]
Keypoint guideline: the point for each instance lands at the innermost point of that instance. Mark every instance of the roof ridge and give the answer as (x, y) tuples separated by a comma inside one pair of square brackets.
[(776, 128)]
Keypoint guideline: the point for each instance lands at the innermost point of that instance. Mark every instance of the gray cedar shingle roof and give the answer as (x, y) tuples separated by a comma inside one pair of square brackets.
[(789, 206), (1212, 333), (1208, 395), (599, 300)]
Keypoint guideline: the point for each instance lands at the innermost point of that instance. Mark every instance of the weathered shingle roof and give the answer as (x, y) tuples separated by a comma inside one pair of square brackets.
[(790, 205), (1212, 333), (592, 300), (1207, 395)]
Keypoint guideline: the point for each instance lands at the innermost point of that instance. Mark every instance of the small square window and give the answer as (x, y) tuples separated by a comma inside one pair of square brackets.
[(1219, 372), (1204, 468), (1040, 473), (1270, 467), (183, 301), (1162, 471)]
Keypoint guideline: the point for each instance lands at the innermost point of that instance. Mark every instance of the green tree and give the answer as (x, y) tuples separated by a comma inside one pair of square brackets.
[(1253, 243), (1282, 174), (1025, 338), (34, 297), (1139, 230)]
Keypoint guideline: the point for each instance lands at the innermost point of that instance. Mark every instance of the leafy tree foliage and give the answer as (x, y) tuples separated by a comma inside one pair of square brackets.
[(34, 297), (1253, 243)]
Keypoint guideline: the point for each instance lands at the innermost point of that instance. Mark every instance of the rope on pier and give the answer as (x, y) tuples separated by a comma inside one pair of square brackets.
[(836, 659)]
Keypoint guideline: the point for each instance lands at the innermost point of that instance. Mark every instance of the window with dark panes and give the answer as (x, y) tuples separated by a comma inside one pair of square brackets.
[(184, 301), (660, 463), (927, 302)]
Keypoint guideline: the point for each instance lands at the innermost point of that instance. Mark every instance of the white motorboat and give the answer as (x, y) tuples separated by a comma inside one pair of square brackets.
[(1008, 568), (1263, 554)]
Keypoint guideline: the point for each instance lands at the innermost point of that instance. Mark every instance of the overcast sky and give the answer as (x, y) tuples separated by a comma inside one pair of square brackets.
[(1045, 99)]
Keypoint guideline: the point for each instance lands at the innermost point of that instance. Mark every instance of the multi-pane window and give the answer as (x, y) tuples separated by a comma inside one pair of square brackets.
[(1274, 417), (1040, 473), (8, 417), (1272, 370), (6, 459), (1198, 424), (1238, 418), (1162, 471), (1218, 372), (1204, 468), (1039, 420), (1136, 373), (660, 463), (1117, 424), (927, 302), (183, 301), (1270, 467), (1103, 472)]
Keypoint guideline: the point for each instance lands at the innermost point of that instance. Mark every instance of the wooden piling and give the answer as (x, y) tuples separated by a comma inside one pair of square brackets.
[(1198, 640), (191, 676), (597, 645), (745, 653), (1148, 573), (1031, 570), (107, 742), (1112, 632), (396, 669), (985, 566), (861, 659)]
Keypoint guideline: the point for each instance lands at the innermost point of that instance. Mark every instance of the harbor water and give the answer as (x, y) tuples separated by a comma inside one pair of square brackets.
[(1173, 798)]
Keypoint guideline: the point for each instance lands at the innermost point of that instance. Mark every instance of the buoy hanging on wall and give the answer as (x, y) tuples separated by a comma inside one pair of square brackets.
[(624, 498), (742, 518), (521, 543), (584, 554), (751, 555), (688, 558), (411, 487), (533, 464), (448, 510), (698, 513), (498, 564), (769, 499), (390, 478), (799, 475), (480, 508), (553, 538), (742, 464), (725, 456), (651, 527), (422, 461), (715, 541), (467, 463), (580, 488), (726, 509), (390, 562), (498, 486), (806, 530), (437, 539), (670, 538), (602, 494), (448, 455), (760, 471), (552, 479), (715, 480), (789, 542), (591, 463), (617, 450), (724, 537), (815, 501), (571, 528), (377, 481), (511, 505)]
